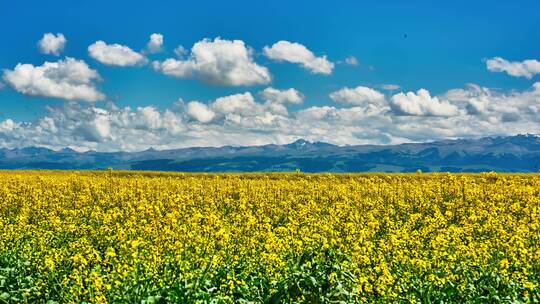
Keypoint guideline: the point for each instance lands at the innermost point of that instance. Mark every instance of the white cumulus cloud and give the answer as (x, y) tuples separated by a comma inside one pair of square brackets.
[(297, 53), (218, 61), (290, 95), (69, 79), (359, 96), (496, 105), (200, 111), (421, 104), (115, 54), (52, 44), (241, 104), (155, 44), (244, 110), (527, 68)]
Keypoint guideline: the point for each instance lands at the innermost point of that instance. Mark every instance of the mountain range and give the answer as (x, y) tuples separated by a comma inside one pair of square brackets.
[(519, 153)]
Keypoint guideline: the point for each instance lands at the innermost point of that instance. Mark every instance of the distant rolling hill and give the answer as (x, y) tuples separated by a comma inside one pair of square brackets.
[(520, 153)]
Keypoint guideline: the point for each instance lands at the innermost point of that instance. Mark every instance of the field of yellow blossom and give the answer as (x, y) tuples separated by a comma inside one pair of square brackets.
[(133, 237)]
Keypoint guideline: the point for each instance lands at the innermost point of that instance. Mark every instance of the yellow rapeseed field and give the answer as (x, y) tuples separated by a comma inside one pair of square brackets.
[(132, 237)]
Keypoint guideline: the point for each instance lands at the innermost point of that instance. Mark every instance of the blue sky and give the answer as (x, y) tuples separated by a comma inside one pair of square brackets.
[(431, 45)]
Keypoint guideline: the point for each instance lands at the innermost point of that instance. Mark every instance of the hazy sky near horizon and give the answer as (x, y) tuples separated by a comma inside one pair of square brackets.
[(129, 75)]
